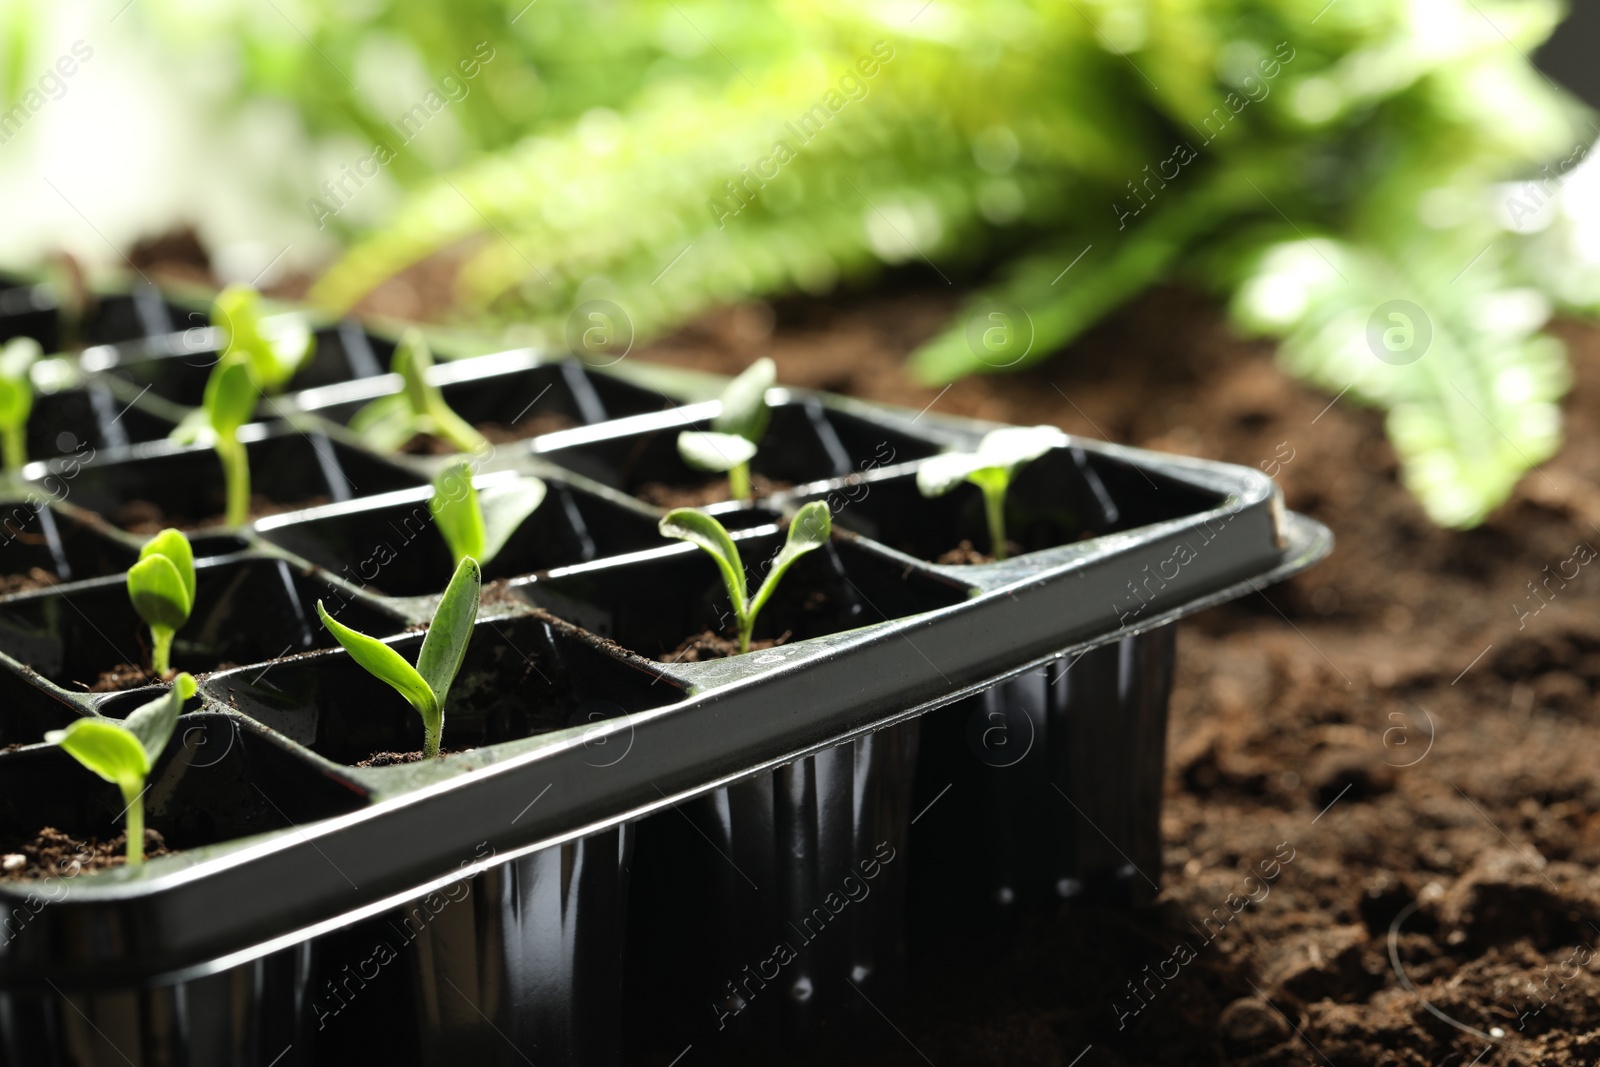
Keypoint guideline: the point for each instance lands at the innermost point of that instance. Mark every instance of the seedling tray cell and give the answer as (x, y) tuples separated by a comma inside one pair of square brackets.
[(523, 676), (589, 760), (66, 545), (390, 545), (510, 394), (150, 486), (805, 442), (33, 310), (246, 611), (174, 365)]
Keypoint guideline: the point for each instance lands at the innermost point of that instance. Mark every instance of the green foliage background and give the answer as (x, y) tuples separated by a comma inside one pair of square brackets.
[(1336, 157)]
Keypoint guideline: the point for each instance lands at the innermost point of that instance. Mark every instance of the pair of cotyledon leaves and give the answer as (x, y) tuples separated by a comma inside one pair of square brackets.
[(161, 584), (477, 523), (738, 427), (426, 685), (992, 464), (124, 752), (809, 530)]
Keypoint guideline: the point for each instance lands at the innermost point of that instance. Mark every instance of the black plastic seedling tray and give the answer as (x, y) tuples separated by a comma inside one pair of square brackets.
[(606, 861)]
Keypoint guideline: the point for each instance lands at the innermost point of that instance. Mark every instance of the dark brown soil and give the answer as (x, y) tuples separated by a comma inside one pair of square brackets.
[(714, 492), (426, 444), (966, 553), (53, 854), (1401, 725), (396, 759), (34, 578), (498, 594), (146, 518), (123, 676), (708, 645)]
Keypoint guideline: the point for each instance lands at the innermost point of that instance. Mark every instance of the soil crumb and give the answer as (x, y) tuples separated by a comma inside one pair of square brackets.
[(398, 759), (34, 578), (123, 676), (967, 553), (663, 495), (53, 854), (427, 444), (147, 518), (708, 645)]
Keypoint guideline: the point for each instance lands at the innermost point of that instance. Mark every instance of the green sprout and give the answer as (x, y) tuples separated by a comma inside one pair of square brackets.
[(17, 358), (230, 400), (390, 421), (809, 530), (475, 524), (731, 442), (998, 458), (123, 753), (274, 354), (428, 683), (161, 586)]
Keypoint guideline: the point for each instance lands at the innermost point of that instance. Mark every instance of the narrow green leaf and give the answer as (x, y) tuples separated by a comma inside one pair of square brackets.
[(107, 749), (809, 530), (386, 423), (158, 592), (714, 451), (231, 395), (153, 723), (744, 402), (698, 528), (505, 508), (383, 663), (446, 644), (412, 361), (16, 402), (456, 512), (16, 385), (175, 546)]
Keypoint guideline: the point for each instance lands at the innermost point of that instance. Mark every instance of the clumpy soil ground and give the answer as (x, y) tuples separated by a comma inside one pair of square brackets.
[(53, 854), (708, 645), (144, 517), (699, 496), (426, 444), (123, 676), (1392, 715), (27, 581)]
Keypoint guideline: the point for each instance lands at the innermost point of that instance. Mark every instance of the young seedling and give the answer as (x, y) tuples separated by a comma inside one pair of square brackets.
[(809, 530), (230, 400), (274, 354), (390, 421), (731, 442), (161, 586), (475, 524), (123, 753), (16, 398), (998, 458), (426, 685)]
